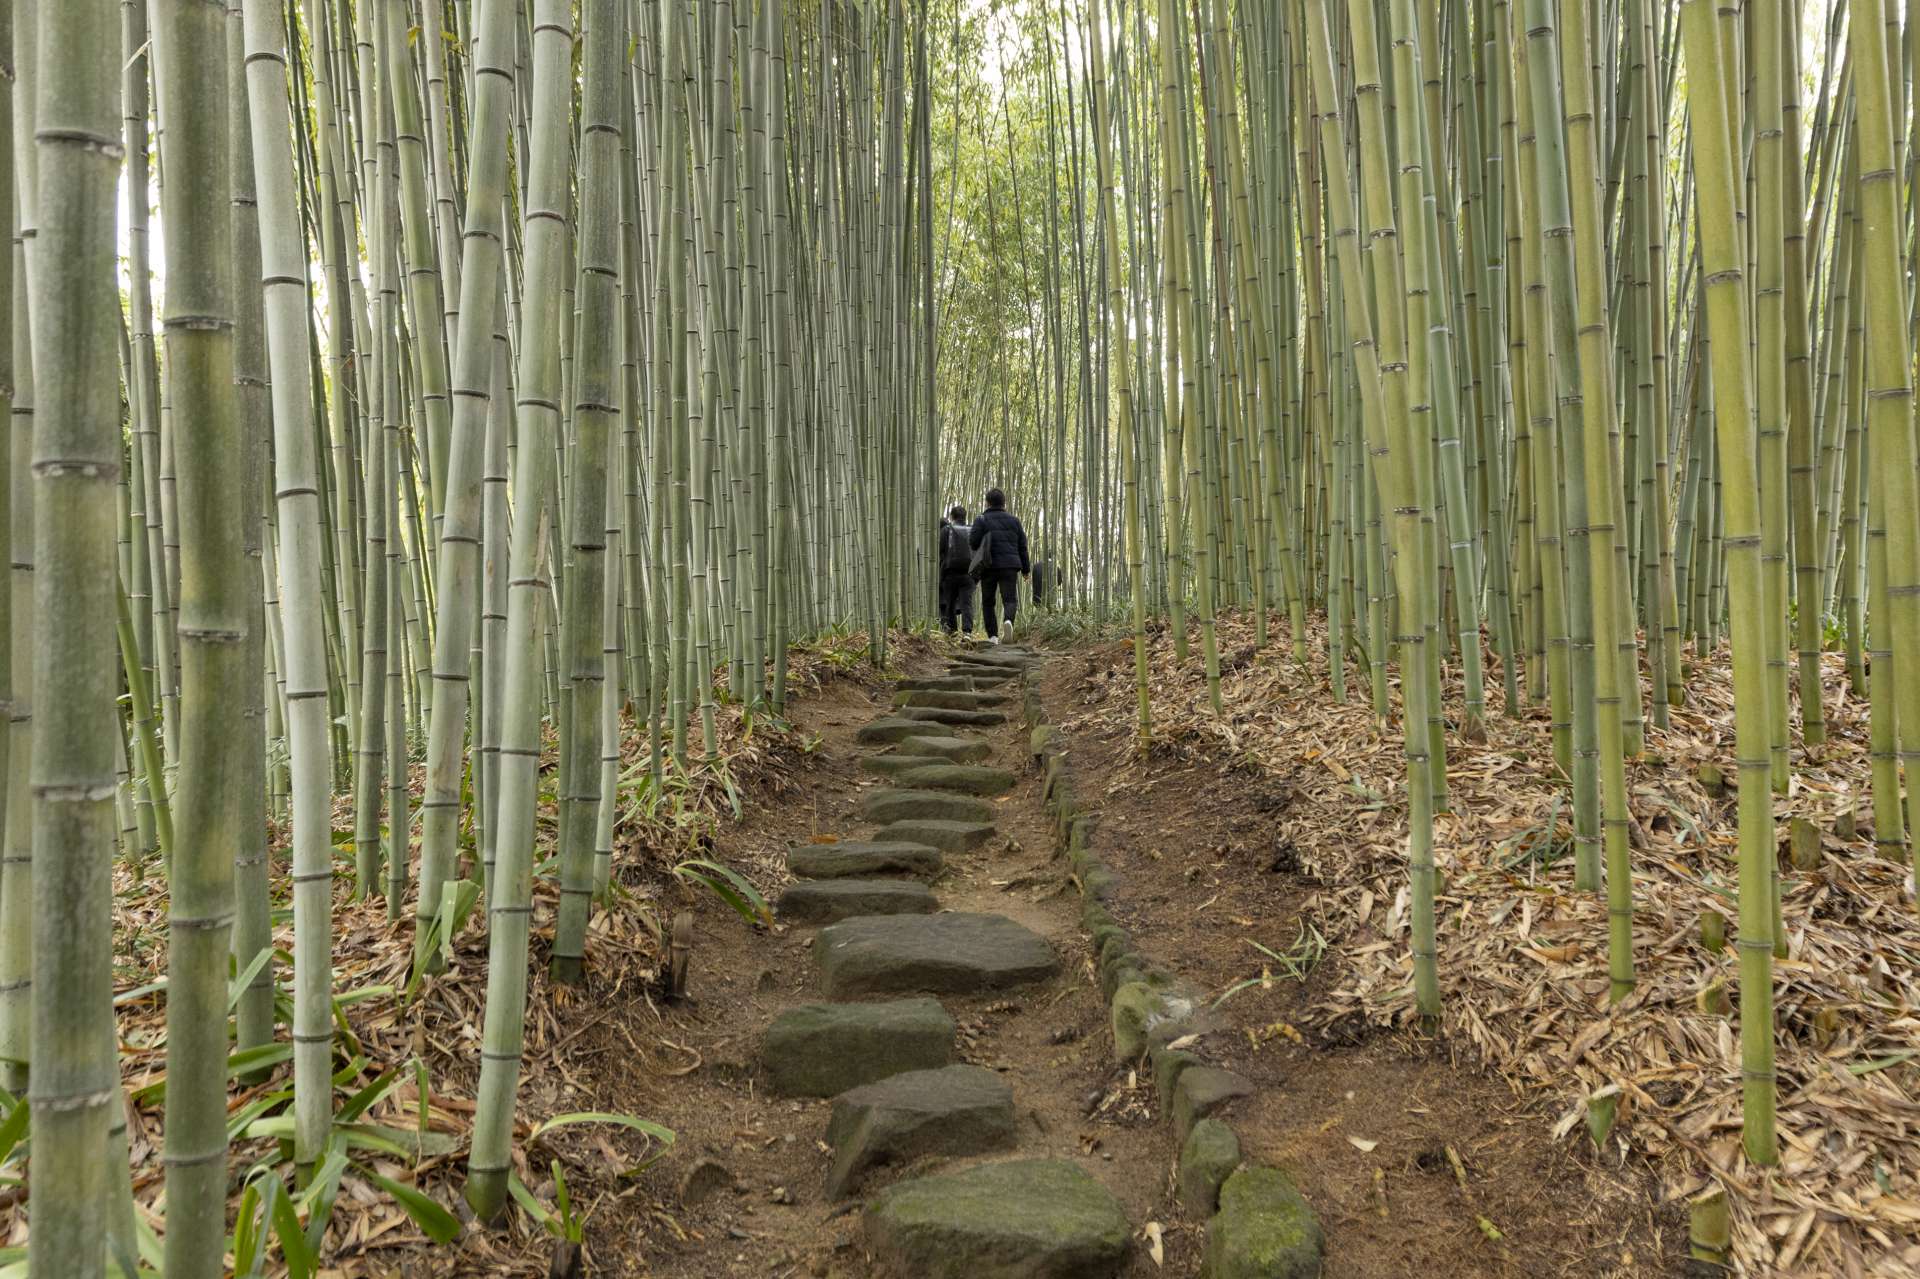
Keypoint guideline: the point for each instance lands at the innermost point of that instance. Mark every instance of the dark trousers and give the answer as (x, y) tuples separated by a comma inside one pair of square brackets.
[(1005, 582), (956, 602)]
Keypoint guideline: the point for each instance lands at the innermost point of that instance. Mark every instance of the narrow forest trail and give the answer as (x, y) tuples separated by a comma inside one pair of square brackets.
[(914, 1072), (981, 1029)]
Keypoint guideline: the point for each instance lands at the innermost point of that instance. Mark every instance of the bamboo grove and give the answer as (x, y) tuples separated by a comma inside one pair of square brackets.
[(1543, 347), (496, 374), (503, 376)]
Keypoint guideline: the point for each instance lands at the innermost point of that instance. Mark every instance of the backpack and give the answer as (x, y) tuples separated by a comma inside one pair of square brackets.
[(982, 563), (955, 554)]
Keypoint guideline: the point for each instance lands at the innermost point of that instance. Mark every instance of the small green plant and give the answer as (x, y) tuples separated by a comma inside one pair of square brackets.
[(1542, 844), (1308, 949), (560, 1221), (733, 888)]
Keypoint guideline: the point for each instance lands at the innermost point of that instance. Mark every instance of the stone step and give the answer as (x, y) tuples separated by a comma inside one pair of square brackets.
[(1024, 1219), (953, 701), (936, 683), (948, 836), (949, 954), (864, 857), (893, 765), (955, 1110), (1001, 655), (821, 1050), (979, 666), (985, 679), (967, 779), (825, 901), (891, 728), (955, 747), (925, 715), (915, 805)]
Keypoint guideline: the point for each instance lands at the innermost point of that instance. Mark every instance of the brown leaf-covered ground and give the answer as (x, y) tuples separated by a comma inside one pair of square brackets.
[(1319, 790), (584, 1046)]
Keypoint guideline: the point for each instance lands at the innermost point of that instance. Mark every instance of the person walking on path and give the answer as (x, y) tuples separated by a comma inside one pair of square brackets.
[(1005, 563), (956, 587)]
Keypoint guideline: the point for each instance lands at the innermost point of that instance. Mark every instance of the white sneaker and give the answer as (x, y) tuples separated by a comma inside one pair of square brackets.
[(1006, 632), (993, 639)]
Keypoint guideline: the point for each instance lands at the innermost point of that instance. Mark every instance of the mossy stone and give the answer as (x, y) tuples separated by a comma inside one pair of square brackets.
[(911, 805), (944, 954), (1168, 1065), (1093, 915), (1105, 933), (1264, 1230), (894, 765), (1080, 832), (1134, 1006), (1117, 974), (1024, 1219), (1202, 1090), (966, 779), (1211, 1154), (818, 1050)]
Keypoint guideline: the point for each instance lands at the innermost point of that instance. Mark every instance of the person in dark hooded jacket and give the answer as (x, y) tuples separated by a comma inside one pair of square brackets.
[(956, 588), (1007, 563)]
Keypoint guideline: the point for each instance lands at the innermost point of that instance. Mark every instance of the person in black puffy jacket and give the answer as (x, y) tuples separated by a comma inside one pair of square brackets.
[(1007, 564)]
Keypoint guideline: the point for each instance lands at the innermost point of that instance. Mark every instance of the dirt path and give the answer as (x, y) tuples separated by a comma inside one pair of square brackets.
[(745, 1189), (1413, 1160)]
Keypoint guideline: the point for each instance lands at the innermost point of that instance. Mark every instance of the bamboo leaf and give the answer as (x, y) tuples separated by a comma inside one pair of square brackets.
[(434, 1220)]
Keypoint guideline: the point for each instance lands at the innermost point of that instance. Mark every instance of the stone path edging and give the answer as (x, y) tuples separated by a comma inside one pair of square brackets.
[(1259, 1226)]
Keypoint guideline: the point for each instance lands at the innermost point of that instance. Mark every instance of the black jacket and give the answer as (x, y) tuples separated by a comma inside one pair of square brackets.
[(1009, 539)]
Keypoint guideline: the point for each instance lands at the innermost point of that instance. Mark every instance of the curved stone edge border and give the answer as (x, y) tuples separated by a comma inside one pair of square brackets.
[(1257, 1222)]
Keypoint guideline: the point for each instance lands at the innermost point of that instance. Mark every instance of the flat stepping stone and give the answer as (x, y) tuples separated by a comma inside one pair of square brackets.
[(1007, 668), (955, 1110), (864, 857), (960, 750), (915, 805), (925, 715), (948, 954), (991, 675), (824, 901), (893, 765), (1026, 1219), (996, 654), (821, 1050), (891, 728), (949, 836), (955, 701), (940, 683), (967, 779)]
